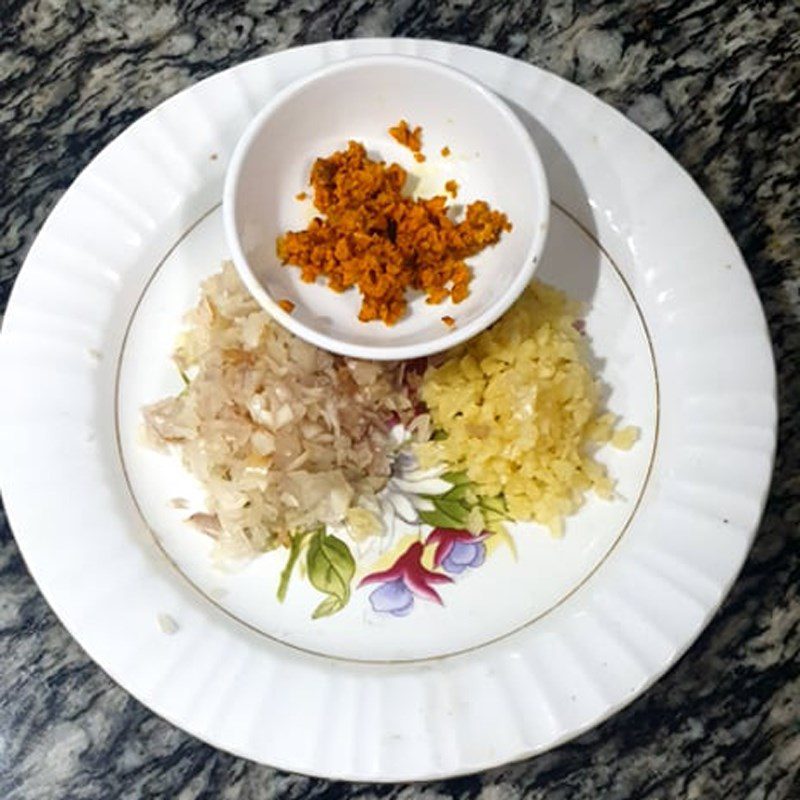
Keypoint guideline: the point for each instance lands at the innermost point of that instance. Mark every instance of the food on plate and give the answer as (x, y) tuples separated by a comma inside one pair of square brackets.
[(373, 235), (408, 137), (451, 187), (282, 435), (520, 411), (319, 453)]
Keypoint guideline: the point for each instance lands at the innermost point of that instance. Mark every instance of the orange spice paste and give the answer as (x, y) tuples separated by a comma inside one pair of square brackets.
[(407, 136), (375, 237)]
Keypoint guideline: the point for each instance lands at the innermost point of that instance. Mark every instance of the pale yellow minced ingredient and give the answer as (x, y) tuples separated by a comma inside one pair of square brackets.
[(362, 523), (625, 438), (521, 411)]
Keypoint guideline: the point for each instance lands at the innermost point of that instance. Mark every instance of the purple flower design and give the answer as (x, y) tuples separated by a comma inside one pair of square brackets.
[(393, 597), (456, 550), (463, 555)]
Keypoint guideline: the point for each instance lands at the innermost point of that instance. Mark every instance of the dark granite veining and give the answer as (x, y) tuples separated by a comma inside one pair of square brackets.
[(716, 82)]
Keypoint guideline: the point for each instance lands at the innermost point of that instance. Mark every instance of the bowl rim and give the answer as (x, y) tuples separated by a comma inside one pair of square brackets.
[(385, 351)]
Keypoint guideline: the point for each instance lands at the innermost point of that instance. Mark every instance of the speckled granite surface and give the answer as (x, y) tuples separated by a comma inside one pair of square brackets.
[(718, 83)]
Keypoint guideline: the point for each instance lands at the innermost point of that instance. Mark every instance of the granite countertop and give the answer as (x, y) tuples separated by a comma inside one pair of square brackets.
[(718, 84)]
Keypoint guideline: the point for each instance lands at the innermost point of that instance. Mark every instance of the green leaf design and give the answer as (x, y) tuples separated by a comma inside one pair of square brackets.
[(436, 519), (446, 513), (294, 553), (494, 509), (457, 492), (458, 478), (330, 569), (330, 605), (452, 508)]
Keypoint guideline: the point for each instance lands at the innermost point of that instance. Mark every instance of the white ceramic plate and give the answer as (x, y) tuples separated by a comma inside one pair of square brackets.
[(524, 653)]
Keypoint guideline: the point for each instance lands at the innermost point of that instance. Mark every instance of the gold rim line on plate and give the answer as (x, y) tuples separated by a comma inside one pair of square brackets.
[(396, 661)]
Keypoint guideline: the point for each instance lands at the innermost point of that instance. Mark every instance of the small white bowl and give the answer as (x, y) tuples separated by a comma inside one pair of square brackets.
[(492, 158)]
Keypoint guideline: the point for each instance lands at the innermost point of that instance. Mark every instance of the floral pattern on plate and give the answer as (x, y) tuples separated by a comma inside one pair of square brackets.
[(444, 501)]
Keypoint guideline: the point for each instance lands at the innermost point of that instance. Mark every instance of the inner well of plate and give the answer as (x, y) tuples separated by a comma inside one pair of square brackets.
[(512, 589)]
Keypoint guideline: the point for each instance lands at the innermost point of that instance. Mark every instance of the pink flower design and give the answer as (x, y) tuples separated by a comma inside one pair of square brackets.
[(404, 579)]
